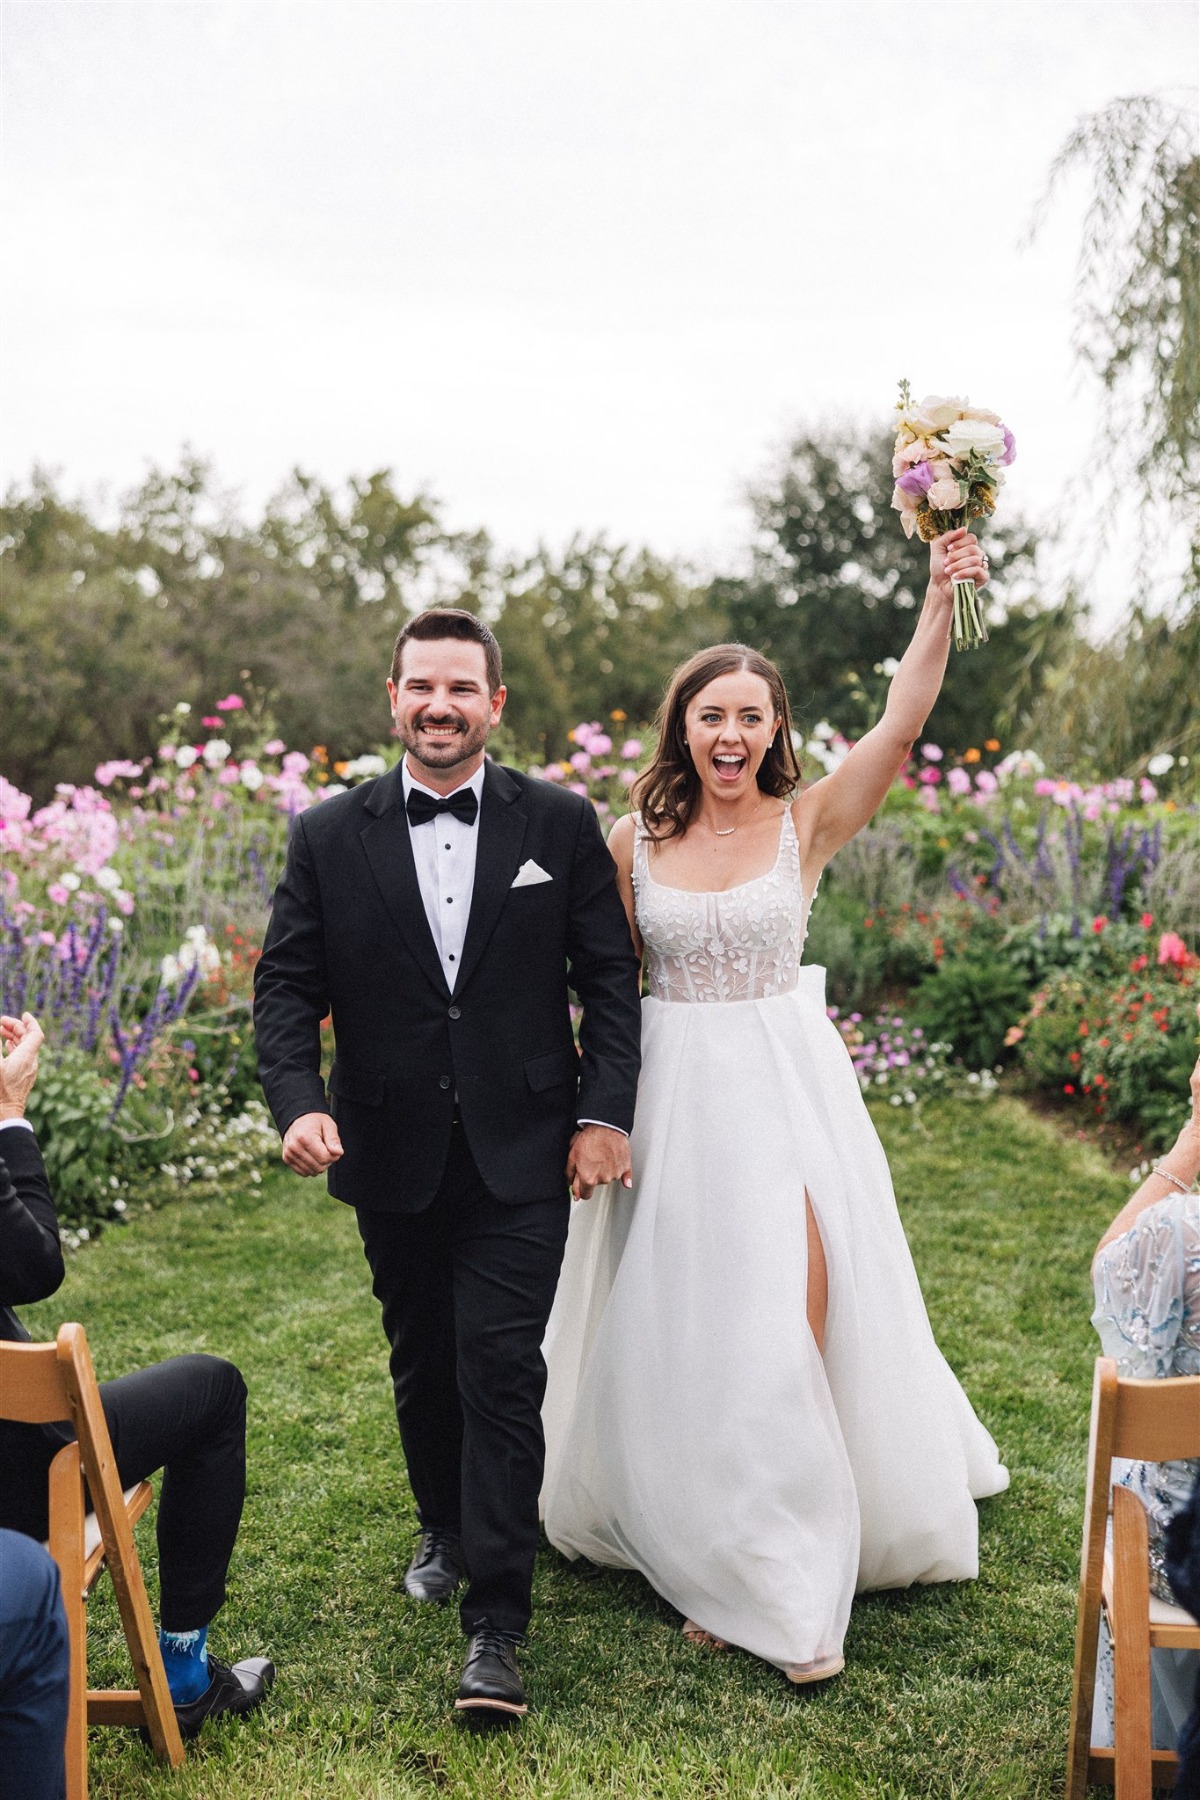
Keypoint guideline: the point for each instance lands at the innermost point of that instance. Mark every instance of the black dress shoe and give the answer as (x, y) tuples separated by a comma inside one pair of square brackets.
[(437, 1566), (236, 1690), (491, 1681)]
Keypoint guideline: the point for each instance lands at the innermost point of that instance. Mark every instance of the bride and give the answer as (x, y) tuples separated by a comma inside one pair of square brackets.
[(745, 1400)]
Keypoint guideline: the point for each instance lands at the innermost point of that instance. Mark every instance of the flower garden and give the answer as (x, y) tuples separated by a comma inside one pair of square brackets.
[(997, 923)]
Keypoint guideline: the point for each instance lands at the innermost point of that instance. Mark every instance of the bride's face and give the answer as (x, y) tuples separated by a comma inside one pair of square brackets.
[(729, 727)]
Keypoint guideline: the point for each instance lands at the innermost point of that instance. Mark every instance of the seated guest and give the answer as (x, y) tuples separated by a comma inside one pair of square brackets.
[(186, 1416), (1183, 1567), (35, 1672), (1146, 1276)]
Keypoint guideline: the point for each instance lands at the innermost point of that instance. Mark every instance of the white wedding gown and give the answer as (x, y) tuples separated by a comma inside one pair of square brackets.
[(694, 1432)]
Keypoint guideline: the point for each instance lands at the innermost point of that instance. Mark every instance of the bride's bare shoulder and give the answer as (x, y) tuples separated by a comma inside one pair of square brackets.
[(621, 841)]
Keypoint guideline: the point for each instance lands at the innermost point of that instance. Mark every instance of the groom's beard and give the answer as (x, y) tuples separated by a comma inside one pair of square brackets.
[(442, 753)]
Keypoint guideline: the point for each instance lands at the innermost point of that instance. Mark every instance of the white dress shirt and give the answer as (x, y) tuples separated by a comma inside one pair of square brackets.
[(444, 853)]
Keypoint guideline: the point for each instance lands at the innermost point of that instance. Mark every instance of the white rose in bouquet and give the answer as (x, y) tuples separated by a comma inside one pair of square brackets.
[(936, 412), (966, 435)]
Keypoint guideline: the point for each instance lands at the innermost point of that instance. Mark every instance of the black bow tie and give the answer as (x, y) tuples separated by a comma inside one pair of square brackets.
[(422, 807)]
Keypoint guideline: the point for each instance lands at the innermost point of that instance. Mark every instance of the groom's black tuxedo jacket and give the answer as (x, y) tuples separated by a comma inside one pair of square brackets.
[(349, 935)]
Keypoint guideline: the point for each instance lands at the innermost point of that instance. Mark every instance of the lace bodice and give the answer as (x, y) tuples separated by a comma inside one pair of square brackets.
[(711, 948)]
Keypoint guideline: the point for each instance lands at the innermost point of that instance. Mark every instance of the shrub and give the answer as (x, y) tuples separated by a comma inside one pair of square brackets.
[(1125, 1046), (973, 1004)]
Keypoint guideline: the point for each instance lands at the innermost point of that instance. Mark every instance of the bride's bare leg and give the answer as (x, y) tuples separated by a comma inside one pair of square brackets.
[(818, 1279)]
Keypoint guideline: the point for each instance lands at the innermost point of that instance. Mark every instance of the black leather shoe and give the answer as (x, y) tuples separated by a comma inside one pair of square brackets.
[(437, 1566), (491, 1681), (236, 1690)]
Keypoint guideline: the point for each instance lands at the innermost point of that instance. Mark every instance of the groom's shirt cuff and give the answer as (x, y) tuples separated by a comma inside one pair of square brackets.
[(605, 1124)]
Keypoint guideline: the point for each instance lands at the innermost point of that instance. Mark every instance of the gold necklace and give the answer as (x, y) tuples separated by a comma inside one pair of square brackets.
[(730, 829)]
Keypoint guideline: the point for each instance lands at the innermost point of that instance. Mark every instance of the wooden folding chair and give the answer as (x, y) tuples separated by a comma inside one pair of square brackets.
[(1149, 1421), (41, 1383)]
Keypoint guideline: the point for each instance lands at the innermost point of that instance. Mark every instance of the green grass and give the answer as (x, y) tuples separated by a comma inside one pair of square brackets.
[(956, 1691)]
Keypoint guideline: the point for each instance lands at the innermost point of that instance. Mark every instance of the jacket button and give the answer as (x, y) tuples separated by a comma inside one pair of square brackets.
[(455, 1012), (443, 1082)]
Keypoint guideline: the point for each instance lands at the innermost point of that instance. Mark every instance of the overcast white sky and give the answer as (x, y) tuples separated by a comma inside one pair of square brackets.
[(569, 265)]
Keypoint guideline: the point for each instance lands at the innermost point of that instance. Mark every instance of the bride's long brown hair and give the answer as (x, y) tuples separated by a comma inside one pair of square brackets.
[(667, 791)]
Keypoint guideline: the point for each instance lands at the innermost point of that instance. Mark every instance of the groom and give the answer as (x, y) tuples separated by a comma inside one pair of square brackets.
[(439, 914)]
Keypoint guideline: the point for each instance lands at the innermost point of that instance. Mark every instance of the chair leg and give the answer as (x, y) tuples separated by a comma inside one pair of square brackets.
[(66, 1545), (1131, 1646)]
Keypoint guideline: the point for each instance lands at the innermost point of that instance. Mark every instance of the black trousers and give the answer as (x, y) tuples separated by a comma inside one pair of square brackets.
[(466, 1288), (186, 1417)]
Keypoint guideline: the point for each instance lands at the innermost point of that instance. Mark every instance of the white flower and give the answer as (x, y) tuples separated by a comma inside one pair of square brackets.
[(252, 777), (183, 706), (335, 787), (888, 666), (70, 880), (1158, 765), (170, 970), (116, 926), (363, 767), (107, 878), (215, 752), (966, 435), (185, 756)]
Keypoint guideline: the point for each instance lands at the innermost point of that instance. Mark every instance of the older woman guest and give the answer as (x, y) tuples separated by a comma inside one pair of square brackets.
[(1146, 1276)]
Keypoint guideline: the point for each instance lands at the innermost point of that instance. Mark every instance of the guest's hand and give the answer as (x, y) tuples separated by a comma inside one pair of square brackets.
[(598, 1155), (311, 1143), (20, 1041), (956, 556)]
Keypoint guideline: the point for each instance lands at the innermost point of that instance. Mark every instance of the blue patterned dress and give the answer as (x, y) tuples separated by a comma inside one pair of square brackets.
[(1147, 1285)]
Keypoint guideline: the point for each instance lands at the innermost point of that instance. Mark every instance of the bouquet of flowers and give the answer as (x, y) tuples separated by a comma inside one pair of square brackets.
[(949, 464)]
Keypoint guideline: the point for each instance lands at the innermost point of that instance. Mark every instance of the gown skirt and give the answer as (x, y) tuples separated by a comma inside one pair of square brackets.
[(694, 1431)]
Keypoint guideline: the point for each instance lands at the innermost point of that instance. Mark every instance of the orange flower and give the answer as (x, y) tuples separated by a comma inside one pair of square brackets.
[(971, 755), (991, 743), (618, 715)]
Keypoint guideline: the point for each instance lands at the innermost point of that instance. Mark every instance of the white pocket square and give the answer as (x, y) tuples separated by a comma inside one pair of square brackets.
[(529, 874)]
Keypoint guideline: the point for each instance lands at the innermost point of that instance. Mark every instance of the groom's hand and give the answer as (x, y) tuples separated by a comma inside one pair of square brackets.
[(598, 1155), (311, 1143)]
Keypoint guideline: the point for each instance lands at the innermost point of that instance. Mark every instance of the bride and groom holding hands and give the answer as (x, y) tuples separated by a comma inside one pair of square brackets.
[(717, 1369)]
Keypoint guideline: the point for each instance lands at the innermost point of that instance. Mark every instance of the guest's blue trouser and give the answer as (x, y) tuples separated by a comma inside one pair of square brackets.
[(35, 1672)]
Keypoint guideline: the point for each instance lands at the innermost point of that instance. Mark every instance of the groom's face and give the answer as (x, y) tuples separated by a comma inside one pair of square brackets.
[(442, 709)]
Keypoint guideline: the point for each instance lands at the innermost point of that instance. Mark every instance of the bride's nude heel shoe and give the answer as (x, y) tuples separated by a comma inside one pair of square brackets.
[(800, 1674), (704, 1640)]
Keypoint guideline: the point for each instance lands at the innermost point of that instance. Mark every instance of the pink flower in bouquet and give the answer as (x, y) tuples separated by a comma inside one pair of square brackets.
[(1010, 447), (944, 495), (915, 452), (1172, 950)]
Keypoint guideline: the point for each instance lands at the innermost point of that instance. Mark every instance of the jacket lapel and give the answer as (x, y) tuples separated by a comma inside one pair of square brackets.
[(388, 849), (497, 859)]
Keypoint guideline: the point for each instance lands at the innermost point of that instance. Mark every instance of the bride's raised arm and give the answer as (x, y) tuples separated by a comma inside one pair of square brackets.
[(829, 813)]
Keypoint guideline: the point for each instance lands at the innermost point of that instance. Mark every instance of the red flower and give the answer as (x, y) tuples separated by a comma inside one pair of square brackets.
[(1068, 1088), (1098, 924), (1147, 921)]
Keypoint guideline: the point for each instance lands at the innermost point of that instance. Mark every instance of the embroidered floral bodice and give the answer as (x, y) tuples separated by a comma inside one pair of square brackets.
[(712, 948)]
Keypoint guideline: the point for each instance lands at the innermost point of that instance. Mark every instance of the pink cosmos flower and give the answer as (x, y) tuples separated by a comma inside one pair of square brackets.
[(931, 753), (212, 722), (231, 703), (581, 761), (986, 782), (1171, 950), (631, 748), (57, 893), (958, 781), (274, 747), (600, 744), (930, 776)]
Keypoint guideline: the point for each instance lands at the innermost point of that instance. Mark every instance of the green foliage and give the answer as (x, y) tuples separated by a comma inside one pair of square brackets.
[(1125, 1047), (972, 1004), (86, 1159), (1137, 295)]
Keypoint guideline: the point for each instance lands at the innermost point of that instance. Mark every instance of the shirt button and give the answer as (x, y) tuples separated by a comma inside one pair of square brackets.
[(449, 899), (445, 846), (443, 1082), (455, 1012)]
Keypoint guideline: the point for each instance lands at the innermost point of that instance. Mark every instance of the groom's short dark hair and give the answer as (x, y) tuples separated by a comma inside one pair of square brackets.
[(450, 622)]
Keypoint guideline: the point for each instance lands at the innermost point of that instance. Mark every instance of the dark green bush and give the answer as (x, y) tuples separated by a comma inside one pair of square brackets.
[(971, 1004)]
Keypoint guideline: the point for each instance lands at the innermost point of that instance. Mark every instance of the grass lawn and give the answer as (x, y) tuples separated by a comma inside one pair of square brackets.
[(949, 1691)]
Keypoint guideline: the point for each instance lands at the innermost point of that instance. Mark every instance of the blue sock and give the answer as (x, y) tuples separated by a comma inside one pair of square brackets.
[(185, 1658)]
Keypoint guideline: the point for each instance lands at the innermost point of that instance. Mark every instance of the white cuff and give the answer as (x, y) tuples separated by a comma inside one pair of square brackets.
[(6, 1122), (605, 1124)]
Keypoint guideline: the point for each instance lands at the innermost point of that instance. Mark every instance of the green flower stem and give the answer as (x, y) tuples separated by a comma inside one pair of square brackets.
[(969, 628)]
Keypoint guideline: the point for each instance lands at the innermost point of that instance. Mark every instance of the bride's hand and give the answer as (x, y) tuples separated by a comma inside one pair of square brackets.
[(956, 556)]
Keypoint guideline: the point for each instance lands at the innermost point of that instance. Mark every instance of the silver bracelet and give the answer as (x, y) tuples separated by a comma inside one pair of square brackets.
[(1166, 1175)]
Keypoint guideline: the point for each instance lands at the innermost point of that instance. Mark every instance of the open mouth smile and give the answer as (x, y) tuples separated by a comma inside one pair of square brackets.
[(728, 765)]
